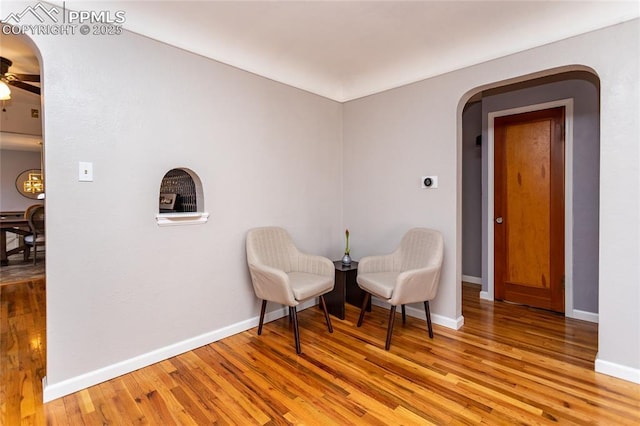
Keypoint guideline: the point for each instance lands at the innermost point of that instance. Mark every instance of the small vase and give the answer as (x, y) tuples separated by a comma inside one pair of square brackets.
[(346, 259)]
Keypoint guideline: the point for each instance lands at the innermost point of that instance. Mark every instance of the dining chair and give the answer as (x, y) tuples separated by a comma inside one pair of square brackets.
[(408, 275), (35, 216), (282, 274), (27, 212)]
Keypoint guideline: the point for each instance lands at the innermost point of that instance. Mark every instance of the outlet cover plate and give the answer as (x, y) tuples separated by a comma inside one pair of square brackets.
[(85, 171)]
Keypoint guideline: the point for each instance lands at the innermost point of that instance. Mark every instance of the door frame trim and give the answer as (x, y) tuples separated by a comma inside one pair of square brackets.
[(568, 196)]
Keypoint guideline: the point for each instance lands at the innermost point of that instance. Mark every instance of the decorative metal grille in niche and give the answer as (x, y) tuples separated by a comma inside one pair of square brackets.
[(179, 182)]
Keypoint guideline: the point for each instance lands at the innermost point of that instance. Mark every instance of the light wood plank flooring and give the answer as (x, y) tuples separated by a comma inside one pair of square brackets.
[(507, 365)]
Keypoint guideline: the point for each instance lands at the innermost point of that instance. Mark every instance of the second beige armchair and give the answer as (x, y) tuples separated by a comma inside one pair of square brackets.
[(408, 275), (280, 273)]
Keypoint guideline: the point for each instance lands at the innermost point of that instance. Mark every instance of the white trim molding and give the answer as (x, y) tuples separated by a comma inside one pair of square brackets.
[(585, 316), (453, 323), (616, 370), (91, 378), (471, 279)]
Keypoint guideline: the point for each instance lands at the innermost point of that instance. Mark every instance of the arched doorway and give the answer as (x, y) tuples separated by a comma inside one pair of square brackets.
[(21, 143), (581, 90)]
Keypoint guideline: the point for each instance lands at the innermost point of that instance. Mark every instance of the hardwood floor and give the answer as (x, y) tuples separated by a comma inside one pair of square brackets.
[(22, 352), (507, 365)]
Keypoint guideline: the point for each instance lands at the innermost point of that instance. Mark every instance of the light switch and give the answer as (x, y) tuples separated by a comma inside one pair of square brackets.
[(85, 171)]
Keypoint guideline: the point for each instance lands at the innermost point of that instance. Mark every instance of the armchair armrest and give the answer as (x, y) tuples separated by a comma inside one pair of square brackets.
[(416, 285), (272, 284)]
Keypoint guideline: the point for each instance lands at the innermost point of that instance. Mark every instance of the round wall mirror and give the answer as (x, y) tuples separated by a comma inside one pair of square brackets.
[(30, 183)]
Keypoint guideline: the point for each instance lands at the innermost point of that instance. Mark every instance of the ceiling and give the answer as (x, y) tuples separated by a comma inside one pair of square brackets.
[(348, 49), (344, 50)]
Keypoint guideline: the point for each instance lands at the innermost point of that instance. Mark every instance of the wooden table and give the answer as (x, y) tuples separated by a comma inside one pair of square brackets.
[(17, 225), (345, 290)]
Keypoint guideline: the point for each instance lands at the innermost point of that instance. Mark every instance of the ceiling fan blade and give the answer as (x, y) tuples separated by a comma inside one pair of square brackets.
[(25, 86), (28, 77), (4, 65)]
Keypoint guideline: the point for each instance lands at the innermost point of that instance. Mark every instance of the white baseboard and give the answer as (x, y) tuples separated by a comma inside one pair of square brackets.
[(576, 314), (585, 316), (616, 370), (452, 323), (74, 384), (484, 295), (471, 279), (477, 280)]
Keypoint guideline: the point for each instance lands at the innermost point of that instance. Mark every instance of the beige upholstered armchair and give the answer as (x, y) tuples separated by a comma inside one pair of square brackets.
[(408, 275), (282, 274)]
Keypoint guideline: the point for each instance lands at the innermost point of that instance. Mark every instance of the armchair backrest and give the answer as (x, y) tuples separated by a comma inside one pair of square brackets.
[(271, 246), (419, 248)]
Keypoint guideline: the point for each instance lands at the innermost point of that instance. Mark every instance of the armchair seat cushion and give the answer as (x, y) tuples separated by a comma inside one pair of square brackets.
[(380, 284), (305, 285)]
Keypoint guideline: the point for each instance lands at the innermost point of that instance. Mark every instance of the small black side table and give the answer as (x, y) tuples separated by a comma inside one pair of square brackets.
[(345, 290)]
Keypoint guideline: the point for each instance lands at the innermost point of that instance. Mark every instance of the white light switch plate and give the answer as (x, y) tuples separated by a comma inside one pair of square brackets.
[(85, 171)]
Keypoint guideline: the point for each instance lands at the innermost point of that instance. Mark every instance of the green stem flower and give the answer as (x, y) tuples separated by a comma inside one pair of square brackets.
[(346, 250)]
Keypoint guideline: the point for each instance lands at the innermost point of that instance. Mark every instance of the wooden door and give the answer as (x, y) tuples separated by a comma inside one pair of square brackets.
[(529, 208)]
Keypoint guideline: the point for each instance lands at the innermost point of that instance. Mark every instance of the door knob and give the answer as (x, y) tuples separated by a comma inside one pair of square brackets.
[(499, 220)]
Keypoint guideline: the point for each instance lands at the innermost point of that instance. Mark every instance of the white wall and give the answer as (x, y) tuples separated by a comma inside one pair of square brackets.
[(393, 138), (390, 141), (12, 163), (18, 127), (472, 192), (121, 291), (16, 115)]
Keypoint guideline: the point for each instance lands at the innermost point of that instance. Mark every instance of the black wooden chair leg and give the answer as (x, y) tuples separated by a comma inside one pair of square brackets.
[(392, 316), (428, 313), (326, 314), (264, 307), (404, 315), (365, 301), (296, 333)]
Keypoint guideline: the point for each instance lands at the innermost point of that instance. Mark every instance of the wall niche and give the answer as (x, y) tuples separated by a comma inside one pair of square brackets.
[(181, 199)]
